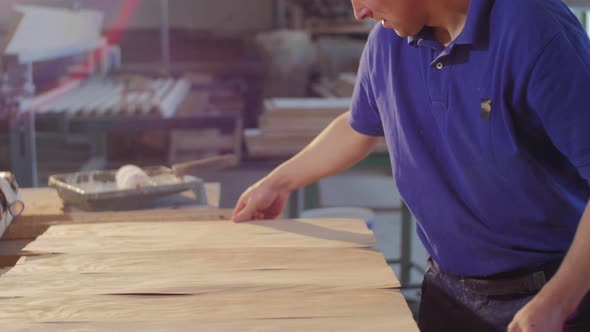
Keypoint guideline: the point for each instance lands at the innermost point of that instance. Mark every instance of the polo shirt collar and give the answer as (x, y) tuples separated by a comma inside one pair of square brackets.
[(476, 30), (477, 27), (423, 38)]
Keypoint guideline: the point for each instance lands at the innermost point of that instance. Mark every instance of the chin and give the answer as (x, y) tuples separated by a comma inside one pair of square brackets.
[(400, 31)]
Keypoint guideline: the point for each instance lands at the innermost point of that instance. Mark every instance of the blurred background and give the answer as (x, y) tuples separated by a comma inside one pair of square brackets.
[(232, 55)]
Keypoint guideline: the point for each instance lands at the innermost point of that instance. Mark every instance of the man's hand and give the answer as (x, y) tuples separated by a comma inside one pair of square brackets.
[(335, 149), (559, 298), (260, 201), (541, 314)]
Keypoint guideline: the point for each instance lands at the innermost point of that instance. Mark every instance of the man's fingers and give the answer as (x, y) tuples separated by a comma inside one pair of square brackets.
[(245, 214), (513, 327), (239, 207)]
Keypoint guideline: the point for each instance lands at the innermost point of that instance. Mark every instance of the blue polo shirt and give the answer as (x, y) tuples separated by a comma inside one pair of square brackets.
[(490, 136)]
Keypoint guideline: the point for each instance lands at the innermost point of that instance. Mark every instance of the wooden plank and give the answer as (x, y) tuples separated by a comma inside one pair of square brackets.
[(285, 143), (216, 260), (194, 213), (309, 116), (46, 202), (308, 106), (157, 236), (41, 202), (213, 192), (198, 271), (44, 208), (29, 227), (387, 307), (397, 321)]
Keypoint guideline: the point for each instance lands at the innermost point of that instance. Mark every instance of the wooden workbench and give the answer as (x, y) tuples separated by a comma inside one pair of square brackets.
[(46, 202), (171, 270)]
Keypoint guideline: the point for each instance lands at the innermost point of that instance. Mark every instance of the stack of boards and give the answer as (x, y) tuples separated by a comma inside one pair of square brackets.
[(288, 124), (287, 275)]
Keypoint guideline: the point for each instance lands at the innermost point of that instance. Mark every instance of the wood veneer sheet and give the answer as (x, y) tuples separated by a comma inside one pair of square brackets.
[(391, 322), (192, 279), (208, 307), (130, 237)]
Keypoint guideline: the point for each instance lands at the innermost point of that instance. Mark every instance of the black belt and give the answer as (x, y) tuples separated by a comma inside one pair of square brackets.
[(527, 283)]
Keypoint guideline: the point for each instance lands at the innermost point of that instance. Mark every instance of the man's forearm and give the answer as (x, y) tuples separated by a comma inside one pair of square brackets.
[(572, 280), (337, 148)]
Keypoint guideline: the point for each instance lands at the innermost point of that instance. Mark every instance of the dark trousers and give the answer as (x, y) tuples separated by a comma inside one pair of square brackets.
[(448, 304)]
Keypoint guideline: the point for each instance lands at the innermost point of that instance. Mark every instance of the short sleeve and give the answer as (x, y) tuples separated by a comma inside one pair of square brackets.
[(364, 113), (559, 93)]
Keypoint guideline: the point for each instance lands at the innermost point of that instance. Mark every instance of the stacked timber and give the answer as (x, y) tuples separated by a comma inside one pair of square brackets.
[(300, 115), (287, 125)]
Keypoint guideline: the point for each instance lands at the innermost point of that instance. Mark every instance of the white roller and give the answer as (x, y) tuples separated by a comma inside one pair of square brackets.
[(132, 177)]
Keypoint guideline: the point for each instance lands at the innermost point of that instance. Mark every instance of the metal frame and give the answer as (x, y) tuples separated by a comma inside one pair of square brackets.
[(20, 125)]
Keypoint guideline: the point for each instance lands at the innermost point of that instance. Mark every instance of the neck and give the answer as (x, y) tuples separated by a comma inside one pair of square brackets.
[(447, 18)]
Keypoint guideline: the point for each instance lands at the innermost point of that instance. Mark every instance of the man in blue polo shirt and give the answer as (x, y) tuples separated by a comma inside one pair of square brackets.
[(483, 106)]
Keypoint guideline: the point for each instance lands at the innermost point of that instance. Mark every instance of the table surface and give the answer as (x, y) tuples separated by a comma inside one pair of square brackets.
[(178, 269)]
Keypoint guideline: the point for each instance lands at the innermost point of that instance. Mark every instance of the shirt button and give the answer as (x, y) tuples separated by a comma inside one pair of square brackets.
[(439, 65)]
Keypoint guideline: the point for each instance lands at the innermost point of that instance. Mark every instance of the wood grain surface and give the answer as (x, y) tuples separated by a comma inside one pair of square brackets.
[(210, 275)]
